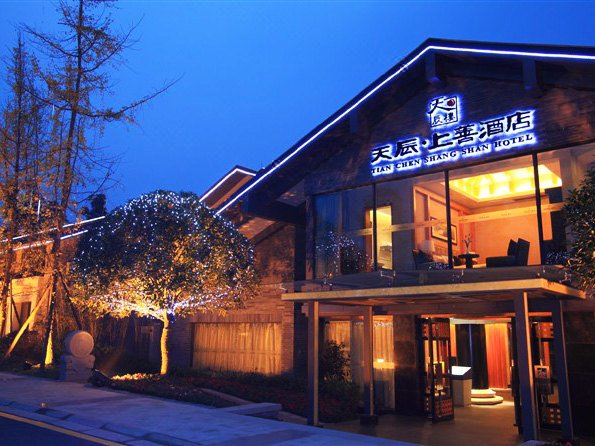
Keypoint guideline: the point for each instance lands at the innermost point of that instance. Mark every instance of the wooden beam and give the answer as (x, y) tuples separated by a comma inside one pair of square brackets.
[(354, 121), (448, 289), (479, 308), (27, 322), (432, 73), (275, 210), (525, 367), (530, 78), (562, 370), (313, 347)]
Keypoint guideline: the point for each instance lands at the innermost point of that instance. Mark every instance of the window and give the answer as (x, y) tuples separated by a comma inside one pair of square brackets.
[(493, 219), (23, 310), (350, 334), (493, 208), (411, 217), (563, 170), (241, 347), (343, 234)]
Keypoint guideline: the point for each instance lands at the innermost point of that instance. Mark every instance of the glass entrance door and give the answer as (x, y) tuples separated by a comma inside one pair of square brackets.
[(436, 379)]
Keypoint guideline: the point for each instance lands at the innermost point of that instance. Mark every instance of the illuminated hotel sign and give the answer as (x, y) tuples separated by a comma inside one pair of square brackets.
[(451, 139)]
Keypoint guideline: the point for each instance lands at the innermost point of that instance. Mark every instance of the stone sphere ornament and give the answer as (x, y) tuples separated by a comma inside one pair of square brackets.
[(76, 364), (79, 343)]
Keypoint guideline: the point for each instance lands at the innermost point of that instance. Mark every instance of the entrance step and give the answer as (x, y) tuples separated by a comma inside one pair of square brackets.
[(487, 401), (485, 397), (482, 393)]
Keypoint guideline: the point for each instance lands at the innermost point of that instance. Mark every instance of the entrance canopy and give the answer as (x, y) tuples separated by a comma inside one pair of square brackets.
[(436, 294), (482, 292)]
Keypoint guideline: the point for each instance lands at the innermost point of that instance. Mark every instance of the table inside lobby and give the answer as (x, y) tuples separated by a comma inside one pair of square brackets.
[(468, 258)]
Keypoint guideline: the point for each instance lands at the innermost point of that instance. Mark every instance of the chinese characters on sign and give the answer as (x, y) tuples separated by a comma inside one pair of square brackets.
[(443, 111), (450, 140)]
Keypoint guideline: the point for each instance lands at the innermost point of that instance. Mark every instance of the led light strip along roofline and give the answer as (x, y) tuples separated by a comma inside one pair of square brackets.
[(403, 68), (47, 242), (222, 180), (77, 223)]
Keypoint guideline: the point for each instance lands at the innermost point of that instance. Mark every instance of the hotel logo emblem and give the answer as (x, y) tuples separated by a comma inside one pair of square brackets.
[(443, 111)]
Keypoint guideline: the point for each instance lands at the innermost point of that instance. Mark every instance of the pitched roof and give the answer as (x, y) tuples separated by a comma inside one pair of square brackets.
[(465, 50), (232, 181)]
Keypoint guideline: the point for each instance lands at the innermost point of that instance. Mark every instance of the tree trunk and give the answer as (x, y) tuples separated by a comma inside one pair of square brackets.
[(65, 187), (48, 352), (165, 345)]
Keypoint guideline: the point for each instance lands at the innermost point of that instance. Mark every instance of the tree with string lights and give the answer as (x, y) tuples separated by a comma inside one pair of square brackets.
[(163, 255)]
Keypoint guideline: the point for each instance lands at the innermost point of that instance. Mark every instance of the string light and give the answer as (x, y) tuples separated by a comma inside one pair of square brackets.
[(164, 254)]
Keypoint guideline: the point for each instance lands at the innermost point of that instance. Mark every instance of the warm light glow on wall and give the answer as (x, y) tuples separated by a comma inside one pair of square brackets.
[(382, 363), (507, 184)]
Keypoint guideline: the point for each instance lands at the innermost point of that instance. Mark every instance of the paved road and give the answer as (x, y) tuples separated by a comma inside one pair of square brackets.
[(16, 431), (135, 419)]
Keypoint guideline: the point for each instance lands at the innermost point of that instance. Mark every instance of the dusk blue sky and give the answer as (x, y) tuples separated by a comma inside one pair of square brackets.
[(256, 76)]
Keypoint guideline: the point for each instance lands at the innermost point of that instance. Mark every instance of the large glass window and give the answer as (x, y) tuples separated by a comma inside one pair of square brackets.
[(494, 212), (412, 223), (350, 335), (559, 172), (493, 217), (344, 232)]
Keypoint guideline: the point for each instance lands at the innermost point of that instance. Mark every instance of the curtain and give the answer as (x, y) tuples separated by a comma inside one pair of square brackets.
[(498, 355), (240, 347), (384, 365), (453, 340), (350, 333)]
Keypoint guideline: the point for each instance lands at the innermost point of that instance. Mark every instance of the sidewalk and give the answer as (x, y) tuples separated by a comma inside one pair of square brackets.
[(133, 419)]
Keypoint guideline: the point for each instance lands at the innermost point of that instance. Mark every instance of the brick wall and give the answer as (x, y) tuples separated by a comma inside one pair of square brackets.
[(274, 261)]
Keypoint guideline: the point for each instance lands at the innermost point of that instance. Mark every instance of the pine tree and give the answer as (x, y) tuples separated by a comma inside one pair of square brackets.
[(77, 79), (22, 135)]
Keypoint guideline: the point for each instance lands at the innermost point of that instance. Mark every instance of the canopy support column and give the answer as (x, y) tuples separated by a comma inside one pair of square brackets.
[(368, 416), (313, 348), (562, 370), (523, 334)]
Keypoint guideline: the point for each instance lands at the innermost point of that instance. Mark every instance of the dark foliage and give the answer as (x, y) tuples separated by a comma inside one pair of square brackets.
[(334, 362), (579, 211), (338, 400)]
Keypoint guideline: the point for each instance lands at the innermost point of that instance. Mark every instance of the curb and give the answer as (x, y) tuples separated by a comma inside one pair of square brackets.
[(282, 415), (107, 431)]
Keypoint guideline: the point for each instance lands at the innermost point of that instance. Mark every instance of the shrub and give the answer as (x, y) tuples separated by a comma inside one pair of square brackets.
[(119, 361), (334, 362), (338, 399)]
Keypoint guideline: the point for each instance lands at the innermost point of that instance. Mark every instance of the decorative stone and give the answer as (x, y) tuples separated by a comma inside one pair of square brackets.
[(77, 364), (78, 343)]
